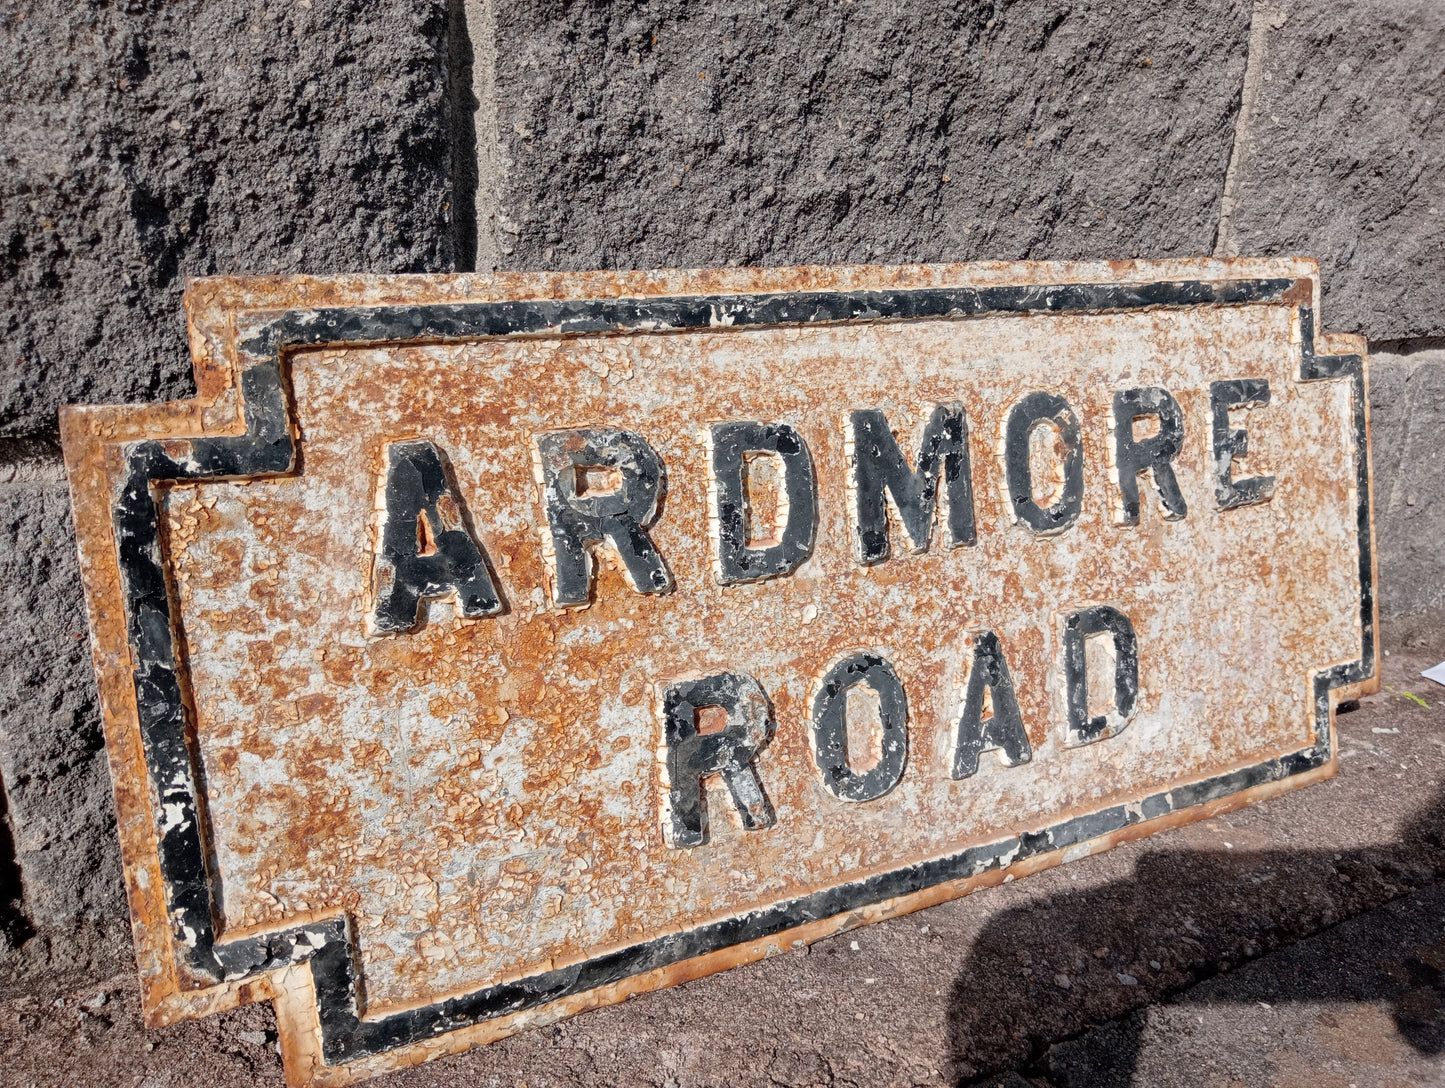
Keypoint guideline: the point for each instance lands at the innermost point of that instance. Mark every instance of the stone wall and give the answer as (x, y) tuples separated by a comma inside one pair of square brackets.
[(141, 143)]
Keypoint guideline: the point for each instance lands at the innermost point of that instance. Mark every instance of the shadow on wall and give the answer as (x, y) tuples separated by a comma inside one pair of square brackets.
[(1048, 971), (462, 104), (15, 928)]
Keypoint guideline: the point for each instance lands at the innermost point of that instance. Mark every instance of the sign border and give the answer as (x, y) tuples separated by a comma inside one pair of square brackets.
[(325, 946)]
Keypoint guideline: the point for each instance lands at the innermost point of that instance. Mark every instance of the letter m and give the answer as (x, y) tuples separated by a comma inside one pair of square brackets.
[(876, 465)]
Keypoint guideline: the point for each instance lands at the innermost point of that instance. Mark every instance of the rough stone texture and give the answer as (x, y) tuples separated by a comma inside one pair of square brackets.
[(1346, 160), (1407, 406), (52, 756), (679, 133), (144, 142)]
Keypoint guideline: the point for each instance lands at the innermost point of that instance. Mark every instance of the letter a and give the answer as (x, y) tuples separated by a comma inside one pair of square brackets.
[(1004, 730), (424, 549)]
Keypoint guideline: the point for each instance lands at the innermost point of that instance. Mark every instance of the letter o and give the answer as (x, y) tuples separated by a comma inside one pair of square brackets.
[(829, 733), (1034, 410)]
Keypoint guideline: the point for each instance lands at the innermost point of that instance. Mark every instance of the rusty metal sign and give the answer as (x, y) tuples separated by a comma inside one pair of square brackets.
[(479, 650)]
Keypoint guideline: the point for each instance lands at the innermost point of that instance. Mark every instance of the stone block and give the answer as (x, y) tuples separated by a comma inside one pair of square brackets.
[(145, 143), (52, 752), (1346, 160), (1407, 406), (679, 134)]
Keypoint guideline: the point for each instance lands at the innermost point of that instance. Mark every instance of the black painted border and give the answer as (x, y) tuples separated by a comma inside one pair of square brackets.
[(267, 448)]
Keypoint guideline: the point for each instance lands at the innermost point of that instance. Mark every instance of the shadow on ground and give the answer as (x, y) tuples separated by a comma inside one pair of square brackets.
[(1053, 969)]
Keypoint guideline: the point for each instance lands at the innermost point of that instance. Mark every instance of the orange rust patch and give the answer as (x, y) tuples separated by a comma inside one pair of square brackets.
[(489, 788)]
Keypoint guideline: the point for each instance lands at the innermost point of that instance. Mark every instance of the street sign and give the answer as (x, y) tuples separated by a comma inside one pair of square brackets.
[(479, 650)]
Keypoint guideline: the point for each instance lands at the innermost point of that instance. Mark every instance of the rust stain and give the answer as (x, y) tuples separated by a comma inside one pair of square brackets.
[(480, 796)]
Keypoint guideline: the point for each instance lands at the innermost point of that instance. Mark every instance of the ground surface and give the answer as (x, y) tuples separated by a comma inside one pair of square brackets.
[(1296, 943)]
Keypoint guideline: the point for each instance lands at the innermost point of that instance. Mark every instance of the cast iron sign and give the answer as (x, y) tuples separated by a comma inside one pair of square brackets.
[(475, 651)]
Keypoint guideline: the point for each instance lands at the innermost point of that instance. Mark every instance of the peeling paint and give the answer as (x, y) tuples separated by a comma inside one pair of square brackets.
[(474, 804)]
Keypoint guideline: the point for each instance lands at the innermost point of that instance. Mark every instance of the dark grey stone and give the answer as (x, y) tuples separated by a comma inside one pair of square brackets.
[(678, 133), (143, 143), (52, 754), (1346, 161), (1407, 406)]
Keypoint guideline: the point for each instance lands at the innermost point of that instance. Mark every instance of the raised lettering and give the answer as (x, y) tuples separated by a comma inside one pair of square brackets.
[(692, 750), (988, 678), (1039, 409), (829, 733), (1231, 442), (425, 549), (729, 445), (580, 518), (1082, 726), (1154, 454), (878, 465)]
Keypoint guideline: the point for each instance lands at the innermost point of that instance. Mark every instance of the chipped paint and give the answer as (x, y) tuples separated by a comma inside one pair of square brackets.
[(466, 821)]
